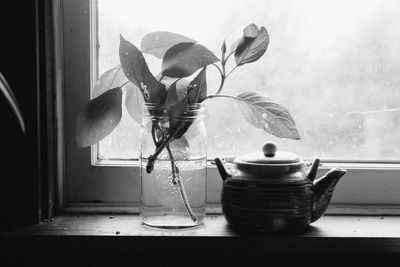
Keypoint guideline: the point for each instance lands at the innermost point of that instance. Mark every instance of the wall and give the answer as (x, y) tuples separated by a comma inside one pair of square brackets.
[(19, 153)]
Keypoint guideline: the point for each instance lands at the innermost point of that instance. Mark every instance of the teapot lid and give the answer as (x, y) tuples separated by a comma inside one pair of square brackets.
[(269, 156)]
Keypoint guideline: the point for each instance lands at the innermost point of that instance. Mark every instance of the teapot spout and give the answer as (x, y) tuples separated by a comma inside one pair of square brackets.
[(323, 190), (314, 168), (220, 166)]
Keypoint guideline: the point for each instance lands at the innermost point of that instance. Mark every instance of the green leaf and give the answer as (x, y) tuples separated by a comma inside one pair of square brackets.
[(223, 49), (167, 81), (252, 46), (235, 45), (191, 93), (9, 95), (134, 102), (176, 92), (157, 43), (264, 113), (250, 31), (109, 79), (175, 112), (172, 96), (199, 88), (268, 115), (196, 93), (136, 70), (99, 117), (184, 59)]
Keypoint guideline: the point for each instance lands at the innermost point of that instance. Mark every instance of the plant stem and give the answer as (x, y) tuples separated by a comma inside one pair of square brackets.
[(222, 73), (221, 85), (231, 72), (177, 178), (218, 68), (152, 158), (125, 83), (233, 97), (230, 54), (173, 166), (224, 76), (228, 96), (240, 99)]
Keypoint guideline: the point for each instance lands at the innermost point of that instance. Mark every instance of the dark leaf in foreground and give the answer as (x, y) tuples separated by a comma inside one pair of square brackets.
[(99, 117), (136, 70)]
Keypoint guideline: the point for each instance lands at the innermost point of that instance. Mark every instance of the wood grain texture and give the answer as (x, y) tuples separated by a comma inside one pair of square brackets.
[(331, 234)]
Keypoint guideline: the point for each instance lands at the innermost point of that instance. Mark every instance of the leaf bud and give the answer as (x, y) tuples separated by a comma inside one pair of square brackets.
[(223, 48)]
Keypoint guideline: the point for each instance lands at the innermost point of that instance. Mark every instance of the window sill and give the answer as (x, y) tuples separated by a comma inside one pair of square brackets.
[(124, 233)]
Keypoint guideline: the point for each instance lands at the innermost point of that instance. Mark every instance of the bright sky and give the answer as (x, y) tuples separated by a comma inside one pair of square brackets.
[(320, 23), (199, 17)]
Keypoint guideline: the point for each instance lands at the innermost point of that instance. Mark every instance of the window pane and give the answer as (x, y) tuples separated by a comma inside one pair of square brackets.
[(335, 64)]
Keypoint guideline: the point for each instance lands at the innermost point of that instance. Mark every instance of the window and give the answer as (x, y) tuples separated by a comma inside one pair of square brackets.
[(334, 64)]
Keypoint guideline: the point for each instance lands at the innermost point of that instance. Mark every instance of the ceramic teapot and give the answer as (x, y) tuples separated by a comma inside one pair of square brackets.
[(273, 191)]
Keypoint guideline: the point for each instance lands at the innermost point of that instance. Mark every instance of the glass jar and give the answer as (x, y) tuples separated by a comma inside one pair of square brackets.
[(173, 186)]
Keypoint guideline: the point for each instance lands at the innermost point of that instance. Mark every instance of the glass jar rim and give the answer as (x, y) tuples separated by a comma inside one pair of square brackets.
[(184, 112), (167, 106)]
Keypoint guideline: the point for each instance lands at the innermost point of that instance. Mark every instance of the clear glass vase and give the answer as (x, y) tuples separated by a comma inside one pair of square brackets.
[(173, 186)]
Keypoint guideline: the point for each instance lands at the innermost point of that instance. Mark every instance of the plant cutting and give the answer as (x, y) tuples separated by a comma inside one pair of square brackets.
[(172, 129)]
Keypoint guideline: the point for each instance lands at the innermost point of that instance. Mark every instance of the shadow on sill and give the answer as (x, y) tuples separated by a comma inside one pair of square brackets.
[(85, 233)]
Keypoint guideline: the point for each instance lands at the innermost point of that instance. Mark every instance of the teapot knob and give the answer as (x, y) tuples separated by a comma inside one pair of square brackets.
[(269, 149)]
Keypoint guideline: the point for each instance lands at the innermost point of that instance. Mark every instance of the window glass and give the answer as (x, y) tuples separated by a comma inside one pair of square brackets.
[(335, 64)]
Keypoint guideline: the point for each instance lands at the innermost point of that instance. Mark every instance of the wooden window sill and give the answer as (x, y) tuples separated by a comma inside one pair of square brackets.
[(331, 234)]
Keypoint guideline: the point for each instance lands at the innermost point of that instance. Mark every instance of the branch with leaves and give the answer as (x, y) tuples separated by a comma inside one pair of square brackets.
[(182, 59)]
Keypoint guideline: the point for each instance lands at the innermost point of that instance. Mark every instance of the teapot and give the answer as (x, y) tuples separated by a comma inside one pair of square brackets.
[(274, 191)]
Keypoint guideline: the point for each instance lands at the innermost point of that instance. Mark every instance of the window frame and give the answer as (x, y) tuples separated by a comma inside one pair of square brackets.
[(115, 185)]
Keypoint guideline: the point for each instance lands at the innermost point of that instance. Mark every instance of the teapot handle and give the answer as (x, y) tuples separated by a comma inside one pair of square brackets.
[(220, 166)]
